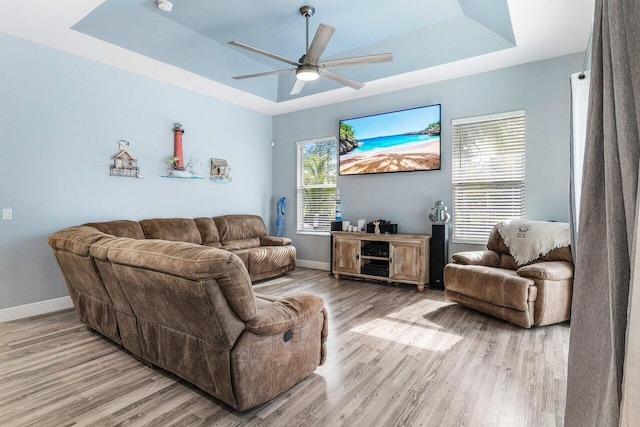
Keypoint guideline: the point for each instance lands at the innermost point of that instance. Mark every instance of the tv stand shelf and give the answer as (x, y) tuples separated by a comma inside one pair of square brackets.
[(393, 258)]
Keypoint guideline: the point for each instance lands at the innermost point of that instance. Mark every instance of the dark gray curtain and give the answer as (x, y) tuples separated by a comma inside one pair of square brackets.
[(607, 218)]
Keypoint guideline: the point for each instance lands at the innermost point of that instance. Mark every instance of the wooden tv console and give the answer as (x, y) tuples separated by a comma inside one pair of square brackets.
[(393, 258)]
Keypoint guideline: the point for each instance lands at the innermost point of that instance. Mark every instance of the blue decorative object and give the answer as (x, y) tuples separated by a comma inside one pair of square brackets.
[(280, 216)]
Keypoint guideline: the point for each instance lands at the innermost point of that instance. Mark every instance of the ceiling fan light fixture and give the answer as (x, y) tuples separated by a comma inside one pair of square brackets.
[(307, 72), (164, 5)]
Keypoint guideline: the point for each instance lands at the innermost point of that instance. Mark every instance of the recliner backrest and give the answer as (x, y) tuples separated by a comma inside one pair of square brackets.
[(496, 244), (91, 300), (193, 289), (119, 228), (172, 229), (240, 231)]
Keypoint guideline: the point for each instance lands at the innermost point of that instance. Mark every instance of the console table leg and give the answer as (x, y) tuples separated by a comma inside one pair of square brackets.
[(420, 288)]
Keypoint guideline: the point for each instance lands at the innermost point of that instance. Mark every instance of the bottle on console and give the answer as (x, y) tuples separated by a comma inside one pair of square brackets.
[(338, 206)]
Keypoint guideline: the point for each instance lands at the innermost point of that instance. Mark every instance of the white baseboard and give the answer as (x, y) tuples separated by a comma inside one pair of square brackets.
[(35, 309), (317, 265)]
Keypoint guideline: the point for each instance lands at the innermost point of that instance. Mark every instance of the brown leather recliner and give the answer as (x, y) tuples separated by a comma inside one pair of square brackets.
[(537, 293)]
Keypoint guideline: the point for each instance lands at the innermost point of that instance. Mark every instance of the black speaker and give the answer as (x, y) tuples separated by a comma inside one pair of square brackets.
[(438, 255)]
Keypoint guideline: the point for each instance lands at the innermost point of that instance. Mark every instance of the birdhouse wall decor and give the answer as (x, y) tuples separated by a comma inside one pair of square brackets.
[(220, 171), (124, 164)]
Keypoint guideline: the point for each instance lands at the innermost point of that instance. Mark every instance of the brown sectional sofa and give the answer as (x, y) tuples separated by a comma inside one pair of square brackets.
[(177, 293), (538, 293)]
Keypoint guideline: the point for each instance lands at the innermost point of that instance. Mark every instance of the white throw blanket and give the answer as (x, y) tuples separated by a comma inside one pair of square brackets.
[(528, 240)]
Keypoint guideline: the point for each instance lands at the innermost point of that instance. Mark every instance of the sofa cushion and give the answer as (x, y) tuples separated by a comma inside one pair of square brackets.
[(235, 245), (173, 229), (275, 241), (120, 228), (208, 232), (275, 315), (488, 258), (493, 285), (77, 240), (495, 242), (507, 262), (558, 270), (243, 254), (269, 258), (239, 227)]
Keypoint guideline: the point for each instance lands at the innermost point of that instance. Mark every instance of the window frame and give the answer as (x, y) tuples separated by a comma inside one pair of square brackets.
[(516, 185), (300, 186)]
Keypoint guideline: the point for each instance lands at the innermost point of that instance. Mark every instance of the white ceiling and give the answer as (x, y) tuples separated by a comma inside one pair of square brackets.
[(432, 40)]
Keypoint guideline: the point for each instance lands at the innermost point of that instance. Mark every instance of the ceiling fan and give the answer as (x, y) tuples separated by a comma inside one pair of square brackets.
[(309, 67)]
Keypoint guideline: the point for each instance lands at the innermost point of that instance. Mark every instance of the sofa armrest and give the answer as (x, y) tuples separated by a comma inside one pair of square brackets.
[(280, 314), (486, 258), (274, 241), (552, 270)]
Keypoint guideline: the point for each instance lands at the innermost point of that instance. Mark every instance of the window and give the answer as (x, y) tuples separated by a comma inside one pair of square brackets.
[(317, 171), (488, 174)]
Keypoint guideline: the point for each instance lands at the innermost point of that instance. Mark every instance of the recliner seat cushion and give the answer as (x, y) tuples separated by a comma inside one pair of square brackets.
[(493, 285), (262, 260)]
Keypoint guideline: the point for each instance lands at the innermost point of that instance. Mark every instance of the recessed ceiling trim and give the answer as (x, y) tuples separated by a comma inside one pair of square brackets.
[(566, 30)]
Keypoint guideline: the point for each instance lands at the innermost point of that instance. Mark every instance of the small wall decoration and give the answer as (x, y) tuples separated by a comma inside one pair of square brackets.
[(177, 168), (124, 164), (220, 171)]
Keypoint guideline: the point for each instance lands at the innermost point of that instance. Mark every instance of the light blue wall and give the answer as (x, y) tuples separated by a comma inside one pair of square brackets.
[(61, 117), (540, 88)]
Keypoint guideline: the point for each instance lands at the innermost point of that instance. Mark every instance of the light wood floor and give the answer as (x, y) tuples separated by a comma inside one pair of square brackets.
[(395, 357)]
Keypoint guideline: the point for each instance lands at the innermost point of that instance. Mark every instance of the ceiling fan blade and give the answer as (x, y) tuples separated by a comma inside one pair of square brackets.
[(297, 87), (356, 60), (319, 43), (263, 52), (266, 73), (341, 79)]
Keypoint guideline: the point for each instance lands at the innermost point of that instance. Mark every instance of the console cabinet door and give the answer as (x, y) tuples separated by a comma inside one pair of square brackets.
[(346, 256), (406, 261)]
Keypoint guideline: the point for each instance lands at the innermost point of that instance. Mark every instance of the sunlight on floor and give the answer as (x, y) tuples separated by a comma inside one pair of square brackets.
[(419, 312), (404, 333)]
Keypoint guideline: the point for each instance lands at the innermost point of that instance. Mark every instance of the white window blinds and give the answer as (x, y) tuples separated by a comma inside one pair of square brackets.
[(488, 174), (317, 172)]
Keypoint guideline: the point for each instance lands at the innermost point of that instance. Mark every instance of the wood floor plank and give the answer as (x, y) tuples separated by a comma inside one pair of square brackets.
[(395, 357)]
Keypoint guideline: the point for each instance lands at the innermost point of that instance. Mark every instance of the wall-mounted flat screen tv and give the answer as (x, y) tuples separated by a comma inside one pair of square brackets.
[(399, 141)]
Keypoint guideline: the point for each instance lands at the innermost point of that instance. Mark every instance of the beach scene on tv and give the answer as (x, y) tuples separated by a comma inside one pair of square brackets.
[(407, 140)]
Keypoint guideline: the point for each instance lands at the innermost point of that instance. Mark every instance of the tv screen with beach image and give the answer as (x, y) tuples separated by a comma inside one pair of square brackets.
[(400, 141)]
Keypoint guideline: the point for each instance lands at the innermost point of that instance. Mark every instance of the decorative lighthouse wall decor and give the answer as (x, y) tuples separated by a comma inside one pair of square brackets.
[(177, 168), (177, 147)]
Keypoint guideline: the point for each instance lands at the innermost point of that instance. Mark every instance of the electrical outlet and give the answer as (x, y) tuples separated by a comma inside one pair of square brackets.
[(7, 214)]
